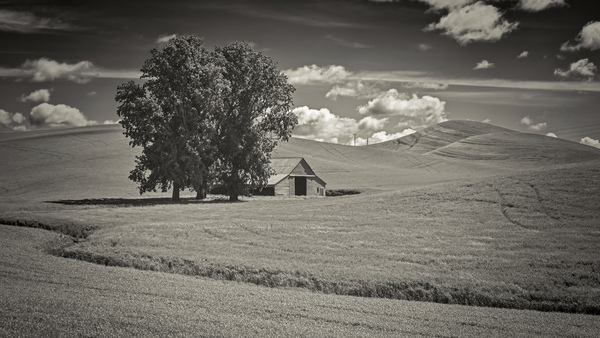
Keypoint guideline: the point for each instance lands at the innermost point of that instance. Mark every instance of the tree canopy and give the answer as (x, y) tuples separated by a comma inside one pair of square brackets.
[(205, 117)]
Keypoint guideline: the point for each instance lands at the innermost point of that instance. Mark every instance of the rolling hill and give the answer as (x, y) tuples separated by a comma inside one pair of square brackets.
[(474, 141), (94, 162)]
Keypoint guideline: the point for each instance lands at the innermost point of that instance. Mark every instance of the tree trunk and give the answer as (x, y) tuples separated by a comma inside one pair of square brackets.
[(175, 196), (201, 193), (233, 197), (201, 189)]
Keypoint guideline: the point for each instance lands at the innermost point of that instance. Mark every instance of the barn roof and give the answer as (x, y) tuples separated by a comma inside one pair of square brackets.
[(289, 166)]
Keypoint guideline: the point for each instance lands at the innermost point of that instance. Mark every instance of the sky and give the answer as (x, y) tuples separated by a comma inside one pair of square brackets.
[(363, 69)]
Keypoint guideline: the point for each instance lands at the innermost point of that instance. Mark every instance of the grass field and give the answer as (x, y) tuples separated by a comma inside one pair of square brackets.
[(464, 214)]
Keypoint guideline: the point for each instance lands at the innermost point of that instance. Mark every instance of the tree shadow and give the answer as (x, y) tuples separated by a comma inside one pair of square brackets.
[(140, 202)]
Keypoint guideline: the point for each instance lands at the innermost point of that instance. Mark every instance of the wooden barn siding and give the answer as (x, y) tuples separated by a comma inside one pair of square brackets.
[(287, 187), (284, 187), (311, 189)]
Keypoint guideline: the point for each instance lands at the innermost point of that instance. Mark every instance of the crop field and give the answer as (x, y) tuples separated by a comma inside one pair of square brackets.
[(466, 214)]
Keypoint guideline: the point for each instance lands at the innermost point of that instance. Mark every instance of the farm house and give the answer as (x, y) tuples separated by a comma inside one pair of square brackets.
[(293, 177)]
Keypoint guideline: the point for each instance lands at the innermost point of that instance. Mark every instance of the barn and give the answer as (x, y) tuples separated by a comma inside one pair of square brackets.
[(293, 177)]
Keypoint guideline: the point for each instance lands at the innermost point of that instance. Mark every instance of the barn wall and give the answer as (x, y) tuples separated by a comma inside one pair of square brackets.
[(312, 185), (284, 187)]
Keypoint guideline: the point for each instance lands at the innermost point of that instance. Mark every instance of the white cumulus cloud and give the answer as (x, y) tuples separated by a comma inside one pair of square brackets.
[(5, 117), (49, 115), (588, 38), (10, 121), (165, 38), (484, 64), (523, 55), (48, 70), (476, 22), (322, 125), (539, 5), (381, 136), (551, 134), (579, 70), (528, 121), (314, 74), (40, 95), (356, 89), (413, 111), (590, 142)]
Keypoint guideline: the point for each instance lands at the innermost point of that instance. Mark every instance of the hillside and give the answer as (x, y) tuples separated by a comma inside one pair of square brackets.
[(94, 162), (474, 142), (441, 135)]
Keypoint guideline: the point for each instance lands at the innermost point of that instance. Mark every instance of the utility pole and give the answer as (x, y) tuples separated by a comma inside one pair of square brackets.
[(354, 140)]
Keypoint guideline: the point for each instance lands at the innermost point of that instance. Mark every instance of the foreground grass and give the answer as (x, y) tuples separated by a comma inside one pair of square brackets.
[(526, 241), (46, 296)]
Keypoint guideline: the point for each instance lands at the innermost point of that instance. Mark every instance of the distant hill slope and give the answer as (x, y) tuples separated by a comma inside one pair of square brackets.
[(440, 135), (482, 142), (95, 161)]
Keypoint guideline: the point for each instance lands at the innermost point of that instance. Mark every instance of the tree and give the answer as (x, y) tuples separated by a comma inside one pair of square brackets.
[(205, 117), (254, 117), (171, 116)]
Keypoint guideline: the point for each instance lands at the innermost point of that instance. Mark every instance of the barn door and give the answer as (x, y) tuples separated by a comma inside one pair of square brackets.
[(300, 186)]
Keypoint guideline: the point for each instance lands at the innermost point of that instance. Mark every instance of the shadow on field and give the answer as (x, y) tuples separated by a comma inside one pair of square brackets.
[(138, 202)]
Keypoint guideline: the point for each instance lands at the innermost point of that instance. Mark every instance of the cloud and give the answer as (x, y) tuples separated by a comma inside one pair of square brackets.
[(48, 70), (5, 117), (590, 142), (45, 69), (111, 122), (476, 22), (486, 121), (539, 5), (424, 47), (528, 121), (381, 136), (412, 110), (165, 38), (40, 95), (484, 64), (27, 22), (425, 85), (49, 115), (551, 134), (322, 125), (447, 4), (371, 123), (523, 55), (314, 74), (580, 70), (92, 94), (10, 121), (352, 89), (588, 38), (18, 118), (346, 43)]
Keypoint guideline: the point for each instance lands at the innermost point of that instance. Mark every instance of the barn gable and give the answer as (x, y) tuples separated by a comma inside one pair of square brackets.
[(302, 169)]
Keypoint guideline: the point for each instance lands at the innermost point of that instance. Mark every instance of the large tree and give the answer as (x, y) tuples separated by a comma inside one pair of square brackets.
[(254, 117), (171, 116), (205, 117)]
